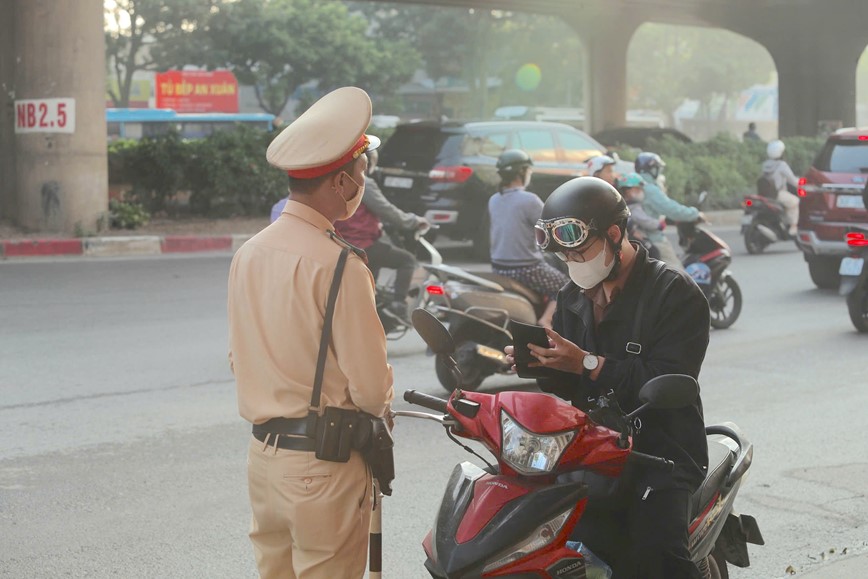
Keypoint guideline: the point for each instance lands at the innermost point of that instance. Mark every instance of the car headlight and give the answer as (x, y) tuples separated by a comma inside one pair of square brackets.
[(528, 452), (539, 538)]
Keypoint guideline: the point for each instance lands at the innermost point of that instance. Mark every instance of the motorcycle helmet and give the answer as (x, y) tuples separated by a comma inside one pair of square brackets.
[(512, 163), (630, 180), (775, 149), (598, 163), (650, 163), (578, 211)]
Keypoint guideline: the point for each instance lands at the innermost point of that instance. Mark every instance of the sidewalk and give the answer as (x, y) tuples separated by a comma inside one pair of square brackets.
[(182, 236)]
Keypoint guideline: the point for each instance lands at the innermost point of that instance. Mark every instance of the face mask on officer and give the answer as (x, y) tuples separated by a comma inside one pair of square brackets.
[(352, 204), (588, 274)]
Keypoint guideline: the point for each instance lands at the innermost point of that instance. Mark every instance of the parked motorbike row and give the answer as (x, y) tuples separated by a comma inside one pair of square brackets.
[(516, 517)]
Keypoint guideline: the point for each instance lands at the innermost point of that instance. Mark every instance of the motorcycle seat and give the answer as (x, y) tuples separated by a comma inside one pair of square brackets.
[(512, 285), (720, 461)]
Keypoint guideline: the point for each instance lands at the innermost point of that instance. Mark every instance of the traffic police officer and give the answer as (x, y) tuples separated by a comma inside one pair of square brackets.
[(310, 517)]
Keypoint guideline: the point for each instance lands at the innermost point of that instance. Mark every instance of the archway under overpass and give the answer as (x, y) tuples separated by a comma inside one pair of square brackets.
[(815, 45)]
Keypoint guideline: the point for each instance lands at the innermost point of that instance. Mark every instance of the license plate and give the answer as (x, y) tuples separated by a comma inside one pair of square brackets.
[(851, 266), (746, 219), (399, 182), (850, 202)]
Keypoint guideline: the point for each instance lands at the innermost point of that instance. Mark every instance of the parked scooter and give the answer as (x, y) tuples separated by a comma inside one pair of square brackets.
[(478, 307), (854, 277), (707, 258), (516, 517), (764, 222)]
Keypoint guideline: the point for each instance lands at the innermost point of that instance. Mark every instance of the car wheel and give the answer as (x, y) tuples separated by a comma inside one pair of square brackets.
[(824, 271)]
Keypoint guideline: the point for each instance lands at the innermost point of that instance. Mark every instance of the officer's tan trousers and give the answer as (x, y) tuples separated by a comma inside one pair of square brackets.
[(310, 517)]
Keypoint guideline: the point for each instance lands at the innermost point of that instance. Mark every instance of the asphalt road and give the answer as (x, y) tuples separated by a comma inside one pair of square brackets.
[(122, 454)]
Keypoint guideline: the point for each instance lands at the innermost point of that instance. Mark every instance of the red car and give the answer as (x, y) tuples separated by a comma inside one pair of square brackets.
[(831, 200)]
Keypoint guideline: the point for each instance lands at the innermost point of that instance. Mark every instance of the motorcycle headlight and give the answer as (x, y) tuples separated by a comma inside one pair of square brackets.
[(528, 452), (539, 538)]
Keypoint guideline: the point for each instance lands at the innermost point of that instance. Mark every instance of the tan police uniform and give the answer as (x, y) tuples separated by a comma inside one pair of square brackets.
[(310, 517)]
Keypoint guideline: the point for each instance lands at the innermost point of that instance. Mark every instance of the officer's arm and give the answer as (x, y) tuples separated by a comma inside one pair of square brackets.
[(359, 341), (662, 203)]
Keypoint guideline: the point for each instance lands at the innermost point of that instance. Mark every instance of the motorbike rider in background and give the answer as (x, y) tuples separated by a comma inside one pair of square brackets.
[(513, 211), (632, 188), (658, 204), (779, 173), (603, 167), (584, 222)]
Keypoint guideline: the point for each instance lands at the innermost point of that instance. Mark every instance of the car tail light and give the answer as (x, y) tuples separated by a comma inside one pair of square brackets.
[(435, 290), (863, 137), (857, 240), (802, 183), (450, 174)]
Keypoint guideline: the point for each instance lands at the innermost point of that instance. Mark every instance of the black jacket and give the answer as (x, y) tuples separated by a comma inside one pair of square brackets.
[(675, 330)]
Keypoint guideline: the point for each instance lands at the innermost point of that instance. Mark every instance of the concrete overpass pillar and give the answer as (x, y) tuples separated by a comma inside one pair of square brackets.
[(8, 199), (606, 37), (61, 181)]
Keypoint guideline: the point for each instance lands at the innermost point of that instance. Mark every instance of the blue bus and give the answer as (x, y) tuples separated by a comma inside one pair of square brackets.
[(139, 123)]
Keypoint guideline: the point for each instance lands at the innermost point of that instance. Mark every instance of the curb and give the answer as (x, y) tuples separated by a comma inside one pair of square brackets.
[(121, 246)]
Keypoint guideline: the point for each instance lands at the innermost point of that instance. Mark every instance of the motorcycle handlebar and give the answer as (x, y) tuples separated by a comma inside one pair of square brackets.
[(426, 400), (651, 461)]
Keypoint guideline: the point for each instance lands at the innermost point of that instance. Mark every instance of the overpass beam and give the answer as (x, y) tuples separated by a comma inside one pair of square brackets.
[(606, 37)]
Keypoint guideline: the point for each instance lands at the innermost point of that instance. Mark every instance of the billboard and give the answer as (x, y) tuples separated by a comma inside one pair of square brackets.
[(195, 91)]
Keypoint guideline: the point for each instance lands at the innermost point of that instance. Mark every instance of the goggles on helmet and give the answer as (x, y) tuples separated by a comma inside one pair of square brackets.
[(567, 232)]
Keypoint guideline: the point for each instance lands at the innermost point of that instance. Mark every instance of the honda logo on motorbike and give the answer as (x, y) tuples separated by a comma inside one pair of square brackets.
[(568, 569), (497, 484)]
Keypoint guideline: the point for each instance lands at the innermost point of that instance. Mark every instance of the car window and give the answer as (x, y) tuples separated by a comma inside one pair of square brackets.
[(539, 144), (577, 147), (488, 145), (844, 157), (418, 148)]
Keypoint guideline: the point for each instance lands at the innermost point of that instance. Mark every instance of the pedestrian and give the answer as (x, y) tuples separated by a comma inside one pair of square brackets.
[(659, 205), (310, 514), (513, 211), (623, 320), (750, 134)]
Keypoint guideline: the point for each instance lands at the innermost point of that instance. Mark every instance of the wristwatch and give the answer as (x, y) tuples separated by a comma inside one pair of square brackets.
[(590, 362)]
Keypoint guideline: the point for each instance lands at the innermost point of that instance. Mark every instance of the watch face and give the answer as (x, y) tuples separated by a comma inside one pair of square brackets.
[(590, 362)]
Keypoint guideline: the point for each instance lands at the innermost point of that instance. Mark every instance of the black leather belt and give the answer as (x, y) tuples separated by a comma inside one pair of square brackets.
[(286, 442), (290, 433)]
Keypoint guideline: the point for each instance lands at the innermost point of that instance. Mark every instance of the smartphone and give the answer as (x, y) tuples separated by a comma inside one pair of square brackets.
[(522, 335)]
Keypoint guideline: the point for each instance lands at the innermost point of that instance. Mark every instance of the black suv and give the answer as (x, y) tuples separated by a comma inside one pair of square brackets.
[(446, 171)]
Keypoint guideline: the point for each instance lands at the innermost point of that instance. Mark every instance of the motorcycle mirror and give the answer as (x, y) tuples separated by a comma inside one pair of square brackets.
[(433, 332), (669, 391), (702, 197)]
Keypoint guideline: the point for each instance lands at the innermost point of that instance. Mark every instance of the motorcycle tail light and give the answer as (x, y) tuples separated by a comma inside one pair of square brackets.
[(528, 452), (539, 538), (435, 290), (857, 240), (748, 203)]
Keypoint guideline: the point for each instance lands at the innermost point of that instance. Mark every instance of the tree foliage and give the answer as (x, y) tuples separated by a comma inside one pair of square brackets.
[(147, 35)]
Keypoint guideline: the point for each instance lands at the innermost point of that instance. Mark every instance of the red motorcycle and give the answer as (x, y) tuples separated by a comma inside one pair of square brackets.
[(514, 519)]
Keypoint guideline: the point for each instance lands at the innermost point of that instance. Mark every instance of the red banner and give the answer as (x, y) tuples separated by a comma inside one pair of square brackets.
[(193, 91)]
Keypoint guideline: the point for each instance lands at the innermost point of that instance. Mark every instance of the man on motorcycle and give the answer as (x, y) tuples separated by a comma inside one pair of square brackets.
[(640, 224), (605, 357), (602, 166), (365, 231), (779, 173), (513, 211), (658, 203)]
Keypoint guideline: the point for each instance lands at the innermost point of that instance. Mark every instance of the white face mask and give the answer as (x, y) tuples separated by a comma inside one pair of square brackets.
[(353, 202), (589, 274)]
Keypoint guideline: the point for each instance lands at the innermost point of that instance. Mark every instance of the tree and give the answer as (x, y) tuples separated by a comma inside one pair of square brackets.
[(280, 45), (147, 35)]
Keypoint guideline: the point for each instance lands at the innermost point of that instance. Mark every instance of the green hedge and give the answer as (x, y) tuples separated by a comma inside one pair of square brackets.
[(223, 175), (725, 167), (226, 173)]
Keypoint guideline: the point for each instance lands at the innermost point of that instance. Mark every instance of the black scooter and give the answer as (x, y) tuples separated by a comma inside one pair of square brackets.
[(854, 277), (764, 222)]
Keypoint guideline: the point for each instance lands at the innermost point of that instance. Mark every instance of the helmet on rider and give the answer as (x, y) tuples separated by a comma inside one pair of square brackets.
[(512, 163), (775, 149), (650, 163), (630, 180), (598, 163)]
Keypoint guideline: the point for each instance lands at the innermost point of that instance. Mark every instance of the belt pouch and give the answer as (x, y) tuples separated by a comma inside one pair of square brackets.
[(335, 431)]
